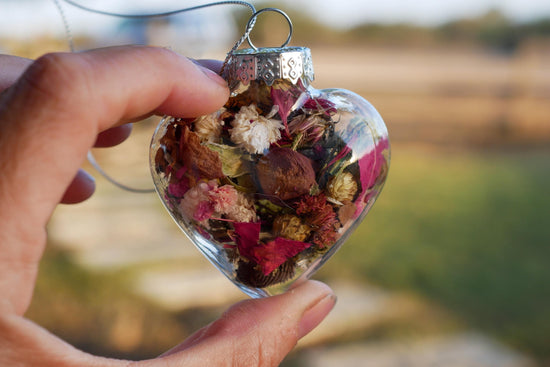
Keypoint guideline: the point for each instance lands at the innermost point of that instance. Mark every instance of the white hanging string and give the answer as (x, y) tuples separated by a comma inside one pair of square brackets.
[(70, 40)]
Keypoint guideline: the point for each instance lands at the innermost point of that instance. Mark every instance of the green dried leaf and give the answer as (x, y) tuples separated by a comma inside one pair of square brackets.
[(233, 162)]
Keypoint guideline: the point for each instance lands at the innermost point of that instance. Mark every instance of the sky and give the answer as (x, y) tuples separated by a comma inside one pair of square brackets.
[(32, 16)]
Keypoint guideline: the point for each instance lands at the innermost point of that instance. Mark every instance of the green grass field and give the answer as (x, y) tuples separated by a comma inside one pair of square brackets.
[(468, 231)]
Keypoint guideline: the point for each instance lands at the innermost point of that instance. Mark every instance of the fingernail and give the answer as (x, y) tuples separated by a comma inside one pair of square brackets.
[(315, 314), (211, 74), (82, 174)]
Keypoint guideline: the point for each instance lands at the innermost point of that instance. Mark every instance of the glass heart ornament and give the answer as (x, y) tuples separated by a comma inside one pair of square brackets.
[(269, 187)]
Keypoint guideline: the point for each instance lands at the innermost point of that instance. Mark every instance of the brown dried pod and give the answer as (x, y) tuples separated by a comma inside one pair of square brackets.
[(285, 173), (249, 274)]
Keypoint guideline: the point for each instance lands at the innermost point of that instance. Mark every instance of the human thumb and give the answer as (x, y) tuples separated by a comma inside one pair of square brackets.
[(259, 332)]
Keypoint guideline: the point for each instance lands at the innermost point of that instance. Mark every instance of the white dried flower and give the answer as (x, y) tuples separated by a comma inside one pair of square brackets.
[(342, 187), (209, 127), (253, 132), (243, 210)]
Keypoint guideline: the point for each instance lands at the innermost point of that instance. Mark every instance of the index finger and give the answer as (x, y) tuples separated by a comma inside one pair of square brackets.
[(11, 68), (51, 117)]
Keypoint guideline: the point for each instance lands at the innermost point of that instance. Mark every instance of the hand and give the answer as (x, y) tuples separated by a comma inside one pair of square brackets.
[(50, 117)]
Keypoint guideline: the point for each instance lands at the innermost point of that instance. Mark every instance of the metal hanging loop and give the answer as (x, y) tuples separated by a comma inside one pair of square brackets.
[(252, 20)]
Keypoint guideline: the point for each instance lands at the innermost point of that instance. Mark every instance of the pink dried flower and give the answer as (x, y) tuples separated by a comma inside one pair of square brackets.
[(203, 211), (207, 200), (235, 205), (196, 203), (223, 198)]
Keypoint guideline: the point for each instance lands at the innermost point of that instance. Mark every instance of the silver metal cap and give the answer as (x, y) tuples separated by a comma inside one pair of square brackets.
[(270, 64)]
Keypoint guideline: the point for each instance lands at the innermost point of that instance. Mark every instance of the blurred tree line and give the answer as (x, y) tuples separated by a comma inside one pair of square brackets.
[(493, 30)]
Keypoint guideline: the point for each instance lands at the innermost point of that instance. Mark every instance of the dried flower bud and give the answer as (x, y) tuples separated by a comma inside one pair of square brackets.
[(285, 173), (310, 129), (209, 127), (291, 227), (253, 132), (342, 187)]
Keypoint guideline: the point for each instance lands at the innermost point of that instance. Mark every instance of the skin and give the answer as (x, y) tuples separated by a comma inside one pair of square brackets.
[(52, 111)]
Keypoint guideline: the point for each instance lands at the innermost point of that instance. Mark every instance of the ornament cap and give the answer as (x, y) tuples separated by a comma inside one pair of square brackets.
[(269, 64)]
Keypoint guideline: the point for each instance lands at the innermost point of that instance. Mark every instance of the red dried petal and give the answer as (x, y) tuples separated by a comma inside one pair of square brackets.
[(247, 237), (178, 189), (275, 253), (268, 256), (320, 104), (285, 99)]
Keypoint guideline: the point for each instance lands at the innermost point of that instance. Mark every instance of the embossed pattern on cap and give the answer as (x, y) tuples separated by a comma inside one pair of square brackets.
[(270, 64)]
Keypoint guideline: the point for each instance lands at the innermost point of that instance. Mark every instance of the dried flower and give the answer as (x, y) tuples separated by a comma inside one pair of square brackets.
[(196, 203), (223, 198), (342, 187), (243, 209), (253, 132), (207, 200), (320, 216), (309, 129), (285, 173), (209, 127), (291, 227)]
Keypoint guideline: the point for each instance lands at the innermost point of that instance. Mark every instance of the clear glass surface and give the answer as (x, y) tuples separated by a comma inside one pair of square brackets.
[(269, 187)]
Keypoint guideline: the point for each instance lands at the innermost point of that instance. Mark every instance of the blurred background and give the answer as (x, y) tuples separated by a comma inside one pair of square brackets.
[(452, 265)]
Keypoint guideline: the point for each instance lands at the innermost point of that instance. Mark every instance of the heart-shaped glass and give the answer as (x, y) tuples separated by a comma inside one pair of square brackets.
[(270, 186)]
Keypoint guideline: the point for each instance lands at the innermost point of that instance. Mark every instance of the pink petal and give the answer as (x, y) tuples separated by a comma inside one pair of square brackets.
[(370, 166)]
